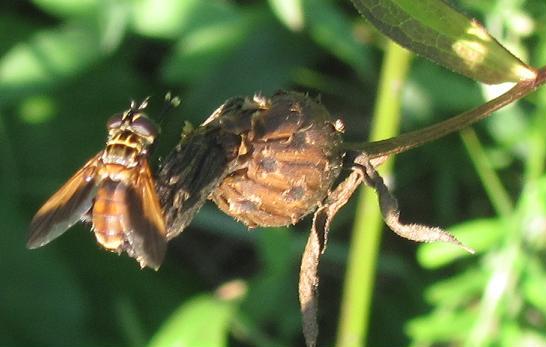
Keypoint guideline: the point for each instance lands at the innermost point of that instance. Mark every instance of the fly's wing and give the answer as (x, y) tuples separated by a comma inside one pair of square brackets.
[(65, 207), (147, 239)]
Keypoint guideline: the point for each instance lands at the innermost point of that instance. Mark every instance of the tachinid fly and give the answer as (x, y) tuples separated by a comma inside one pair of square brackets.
[(115, 192)]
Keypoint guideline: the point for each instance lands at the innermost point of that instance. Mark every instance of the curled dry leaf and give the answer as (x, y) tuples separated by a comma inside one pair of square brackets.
[(308, 287), (316, 245), (391, 214)]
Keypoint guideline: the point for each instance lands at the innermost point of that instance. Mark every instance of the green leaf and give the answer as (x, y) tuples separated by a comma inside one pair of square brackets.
[(332, 30), (479, 234), (13, 29), (508, 127), (534, 284), (204, 47), (441, 325), (202, 321), (68, 8), (37, 109), (48, 58), (272, 295), (449, 93), (457, 290), (110, 17), (259, 63), (170, 18), (533, 204), (161, 18), (290, 12), (40, 292), (435, 30)]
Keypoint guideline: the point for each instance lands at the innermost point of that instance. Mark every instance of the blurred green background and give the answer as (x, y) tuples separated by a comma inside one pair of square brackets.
[(66, 66)]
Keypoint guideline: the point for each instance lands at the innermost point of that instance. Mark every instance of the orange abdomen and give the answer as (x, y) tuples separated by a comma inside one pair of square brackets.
[(110, 214)]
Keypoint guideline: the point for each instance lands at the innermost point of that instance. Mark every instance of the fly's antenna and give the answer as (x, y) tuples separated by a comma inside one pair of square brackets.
[(143, 104), (170, 102), (134, 107)]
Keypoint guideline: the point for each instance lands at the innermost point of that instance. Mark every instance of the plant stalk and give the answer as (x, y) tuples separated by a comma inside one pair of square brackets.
[(359, 278), (413, 139), (491, 182)]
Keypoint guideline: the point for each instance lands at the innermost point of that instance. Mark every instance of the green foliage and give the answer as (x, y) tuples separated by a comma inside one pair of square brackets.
[(435, 30), (66, 66), (497, 300), (494, 300), (48, 58), (201, 321)]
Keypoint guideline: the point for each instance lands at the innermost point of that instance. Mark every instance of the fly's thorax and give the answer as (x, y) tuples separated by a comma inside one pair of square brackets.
[(125, 148)]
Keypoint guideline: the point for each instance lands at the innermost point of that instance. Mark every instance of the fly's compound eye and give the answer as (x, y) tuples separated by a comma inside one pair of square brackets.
[(144, 126), (114, 121)]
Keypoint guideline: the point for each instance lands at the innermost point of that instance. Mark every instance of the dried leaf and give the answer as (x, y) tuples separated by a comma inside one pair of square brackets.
[(189, 174), (316, 245), (334, 202), (391, 214), (308, 288)]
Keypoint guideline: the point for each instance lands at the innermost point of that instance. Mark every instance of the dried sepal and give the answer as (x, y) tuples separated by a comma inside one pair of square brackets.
[(391, 214), (325, 214), (308, 287), (316, 245)]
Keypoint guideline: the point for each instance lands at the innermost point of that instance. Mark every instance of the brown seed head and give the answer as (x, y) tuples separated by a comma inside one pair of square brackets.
[(288, 159)]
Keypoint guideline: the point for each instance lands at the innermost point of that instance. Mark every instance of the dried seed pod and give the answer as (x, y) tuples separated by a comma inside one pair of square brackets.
[(263, 161), (198, 164), (287, 161)]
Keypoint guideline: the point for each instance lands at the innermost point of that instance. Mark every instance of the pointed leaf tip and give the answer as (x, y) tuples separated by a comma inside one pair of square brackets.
[(437, 31)]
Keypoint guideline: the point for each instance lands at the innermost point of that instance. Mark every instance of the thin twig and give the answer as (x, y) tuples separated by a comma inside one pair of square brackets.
[(410, 140)]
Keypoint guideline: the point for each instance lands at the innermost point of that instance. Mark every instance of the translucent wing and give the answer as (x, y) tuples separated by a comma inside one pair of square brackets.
[(148, 240), (66, 207)]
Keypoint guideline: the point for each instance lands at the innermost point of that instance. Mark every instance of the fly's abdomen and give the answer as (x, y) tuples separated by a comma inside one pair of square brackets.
[(110, 214)]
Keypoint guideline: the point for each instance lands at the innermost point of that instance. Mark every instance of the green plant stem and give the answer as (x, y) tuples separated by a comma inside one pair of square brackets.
[(534, 167), (490, 180), (412, 139), (359, 278)]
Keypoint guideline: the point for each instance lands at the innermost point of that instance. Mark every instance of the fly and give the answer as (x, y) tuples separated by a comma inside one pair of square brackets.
[(115, 191)]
